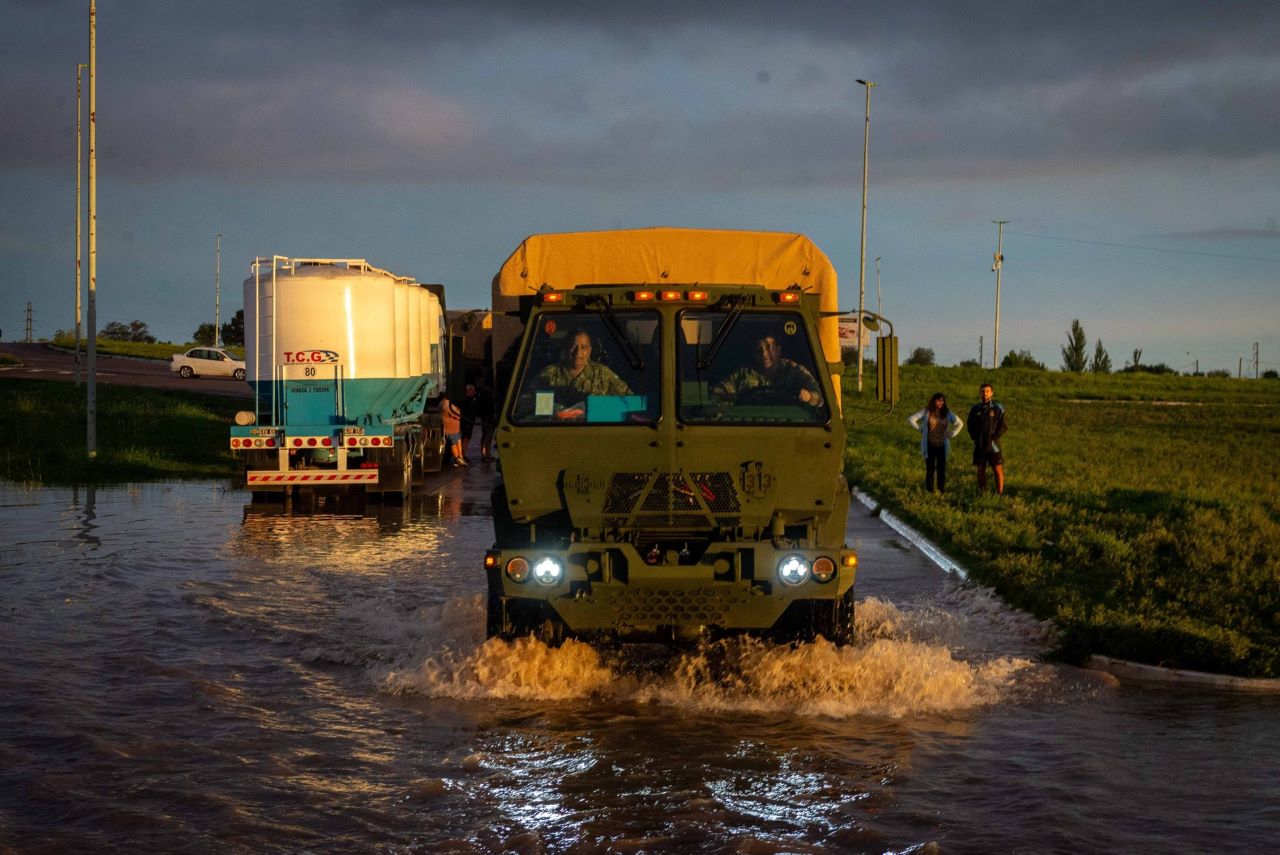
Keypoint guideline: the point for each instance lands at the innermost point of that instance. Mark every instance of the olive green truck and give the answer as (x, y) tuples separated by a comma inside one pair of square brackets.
[(670, 441)]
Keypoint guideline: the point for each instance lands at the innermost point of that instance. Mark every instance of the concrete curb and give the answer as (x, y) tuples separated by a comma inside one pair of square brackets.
[(1139, 673), (1120, 668), (919, 541)]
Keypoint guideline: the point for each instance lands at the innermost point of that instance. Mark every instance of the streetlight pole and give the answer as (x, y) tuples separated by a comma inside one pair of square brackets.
[(91, 435), (80, 67), (862, 254), (997, 267), (217, 292)]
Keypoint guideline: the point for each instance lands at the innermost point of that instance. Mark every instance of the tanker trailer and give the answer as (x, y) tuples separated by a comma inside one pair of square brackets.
[(671, 439), (348, 365)]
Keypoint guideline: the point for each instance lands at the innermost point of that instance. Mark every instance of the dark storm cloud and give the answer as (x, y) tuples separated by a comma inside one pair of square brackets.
[(352, 89)]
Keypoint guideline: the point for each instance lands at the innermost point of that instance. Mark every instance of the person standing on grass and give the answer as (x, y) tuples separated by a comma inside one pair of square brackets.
[(986, 426), (937, 426)]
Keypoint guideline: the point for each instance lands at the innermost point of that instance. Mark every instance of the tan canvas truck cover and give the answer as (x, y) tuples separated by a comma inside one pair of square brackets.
[(666, 257)]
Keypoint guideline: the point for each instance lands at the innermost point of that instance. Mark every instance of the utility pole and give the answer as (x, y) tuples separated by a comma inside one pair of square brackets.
[(997, 267), (1255, 360), (27, 338), (1240, 369), (217, 293), (862, 256), (80, 67), (91, 433), (980, 354)]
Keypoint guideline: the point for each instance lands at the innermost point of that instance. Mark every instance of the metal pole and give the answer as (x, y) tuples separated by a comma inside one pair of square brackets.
[(80, 66), (91, 437), (217, 293), (862, 255), (997, 267)]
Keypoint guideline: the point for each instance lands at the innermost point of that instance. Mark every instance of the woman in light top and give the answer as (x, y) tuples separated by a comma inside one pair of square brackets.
[(937, 426)]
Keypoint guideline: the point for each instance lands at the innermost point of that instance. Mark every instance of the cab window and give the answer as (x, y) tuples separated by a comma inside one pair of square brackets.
[(760, 370), (580, 369)]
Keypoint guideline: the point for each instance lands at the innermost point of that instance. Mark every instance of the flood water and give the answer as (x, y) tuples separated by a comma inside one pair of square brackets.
[(183, 672)]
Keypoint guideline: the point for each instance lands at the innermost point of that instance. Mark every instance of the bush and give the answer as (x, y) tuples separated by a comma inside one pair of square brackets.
[(1021, 359), (920, 356)]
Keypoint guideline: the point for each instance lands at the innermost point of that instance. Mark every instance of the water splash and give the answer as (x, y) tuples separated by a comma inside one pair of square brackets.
[(886, 673)]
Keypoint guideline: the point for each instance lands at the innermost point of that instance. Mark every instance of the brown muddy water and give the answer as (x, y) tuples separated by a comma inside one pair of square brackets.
[(183, 672)]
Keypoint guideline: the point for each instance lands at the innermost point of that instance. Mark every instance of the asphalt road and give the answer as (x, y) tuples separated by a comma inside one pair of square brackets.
[(40, 362)]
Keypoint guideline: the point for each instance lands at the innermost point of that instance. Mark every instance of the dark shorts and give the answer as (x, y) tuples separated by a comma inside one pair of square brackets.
[(452, 438), (987, 458)]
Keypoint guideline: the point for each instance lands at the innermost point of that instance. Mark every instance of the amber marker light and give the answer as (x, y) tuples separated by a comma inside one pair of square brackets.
[(553, 297), (789, 297), (849, 561), (490, 560), (696, 296), (672, 295), (642, 297)]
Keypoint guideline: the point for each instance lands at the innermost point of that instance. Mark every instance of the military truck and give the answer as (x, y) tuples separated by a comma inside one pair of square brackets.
[(670, 442)]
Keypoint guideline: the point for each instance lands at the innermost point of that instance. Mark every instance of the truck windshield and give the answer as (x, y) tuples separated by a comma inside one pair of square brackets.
[(577, 372), (763, 372)]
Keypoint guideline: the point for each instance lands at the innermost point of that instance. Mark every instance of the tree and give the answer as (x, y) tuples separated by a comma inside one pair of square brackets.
[(1101, 363), (203, 334), (138, 332), (1137, 357), (1074, 354), (1021, 359), (970, 363), (132, 331), (115, 331), (233, 330), (921, 356)]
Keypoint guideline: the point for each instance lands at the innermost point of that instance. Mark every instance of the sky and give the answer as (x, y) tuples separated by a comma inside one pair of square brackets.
[(1133, 147)]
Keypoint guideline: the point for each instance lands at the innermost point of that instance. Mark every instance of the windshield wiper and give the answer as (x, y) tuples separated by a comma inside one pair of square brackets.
[(737, 302), (619, 334)]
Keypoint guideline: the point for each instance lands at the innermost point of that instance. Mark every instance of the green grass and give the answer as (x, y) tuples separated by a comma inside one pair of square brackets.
[(1140, 512), (143, 434), (141, 350)]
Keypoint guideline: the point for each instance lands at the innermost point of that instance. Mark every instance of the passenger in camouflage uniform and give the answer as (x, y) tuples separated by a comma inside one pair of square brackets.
[(771, 372), (577, 373)]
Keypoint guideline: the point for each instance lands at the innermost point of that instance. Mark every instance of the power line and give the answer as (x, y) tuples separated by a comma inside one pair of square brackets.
[(1150, 248)]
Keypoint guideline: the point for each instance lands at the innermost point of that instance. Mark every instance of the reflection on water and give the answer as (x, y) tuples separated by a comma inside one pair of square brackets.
[(186, 673)]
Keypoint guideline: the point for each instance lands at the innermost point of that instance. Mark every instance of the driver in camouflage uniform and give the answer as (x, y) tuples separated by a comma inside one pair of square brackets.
[(770, 372), (579, 374)]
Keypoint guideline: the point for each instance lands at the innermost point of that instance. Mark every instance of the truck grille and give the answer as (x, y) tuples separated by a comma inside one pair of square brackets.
[(670, 605), (685, 499)]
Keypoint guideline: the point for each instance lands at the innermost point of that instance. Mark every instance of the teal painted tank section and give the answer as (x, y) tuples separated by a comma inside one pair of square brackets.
[(369, 401)]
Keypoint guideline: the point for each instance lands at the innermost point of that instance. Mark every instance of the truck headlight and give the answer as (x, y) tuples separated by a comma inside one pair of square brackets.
[(823, 569), (548, 571), (517, 569), (793, 570)]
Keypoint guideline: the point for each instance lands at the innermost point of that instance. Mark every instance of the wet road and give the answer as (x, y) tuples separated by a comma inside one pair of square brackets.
[(183, 673), (46, 363)]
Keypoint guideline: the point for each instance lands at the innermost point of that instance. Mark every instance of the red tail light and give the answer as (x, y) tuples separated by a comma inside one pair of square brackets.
[(326, 442), (271, 443), (297, 442)]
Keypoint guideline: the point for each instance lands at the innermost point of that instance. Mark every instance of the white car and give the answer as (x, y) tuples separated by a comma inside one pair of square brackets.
[(207, 362)]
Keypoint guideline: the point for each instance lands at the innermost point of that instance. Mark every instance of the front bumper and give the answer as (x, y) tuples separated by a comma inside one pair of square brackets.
[(611, 587)]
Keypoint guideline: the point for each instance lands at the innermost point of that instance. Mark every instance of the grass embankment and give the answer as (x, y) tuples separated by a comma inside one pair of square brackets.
[(143, 434), (138, 349), (1141, 513)]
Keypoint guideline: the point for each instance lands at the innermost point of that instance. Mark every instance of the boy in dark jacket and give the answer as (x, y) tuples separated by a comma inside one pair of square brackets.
[(986, 426)]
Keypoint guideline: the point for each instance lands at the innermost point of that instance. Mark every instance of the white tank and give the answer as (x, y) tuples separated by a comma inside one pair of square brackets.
[(326, 319)]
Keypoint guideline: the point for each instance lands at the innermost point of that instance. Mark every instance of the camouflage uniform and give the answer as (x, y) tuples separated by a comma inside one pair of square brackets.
[(788, 377), (594, 379)]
